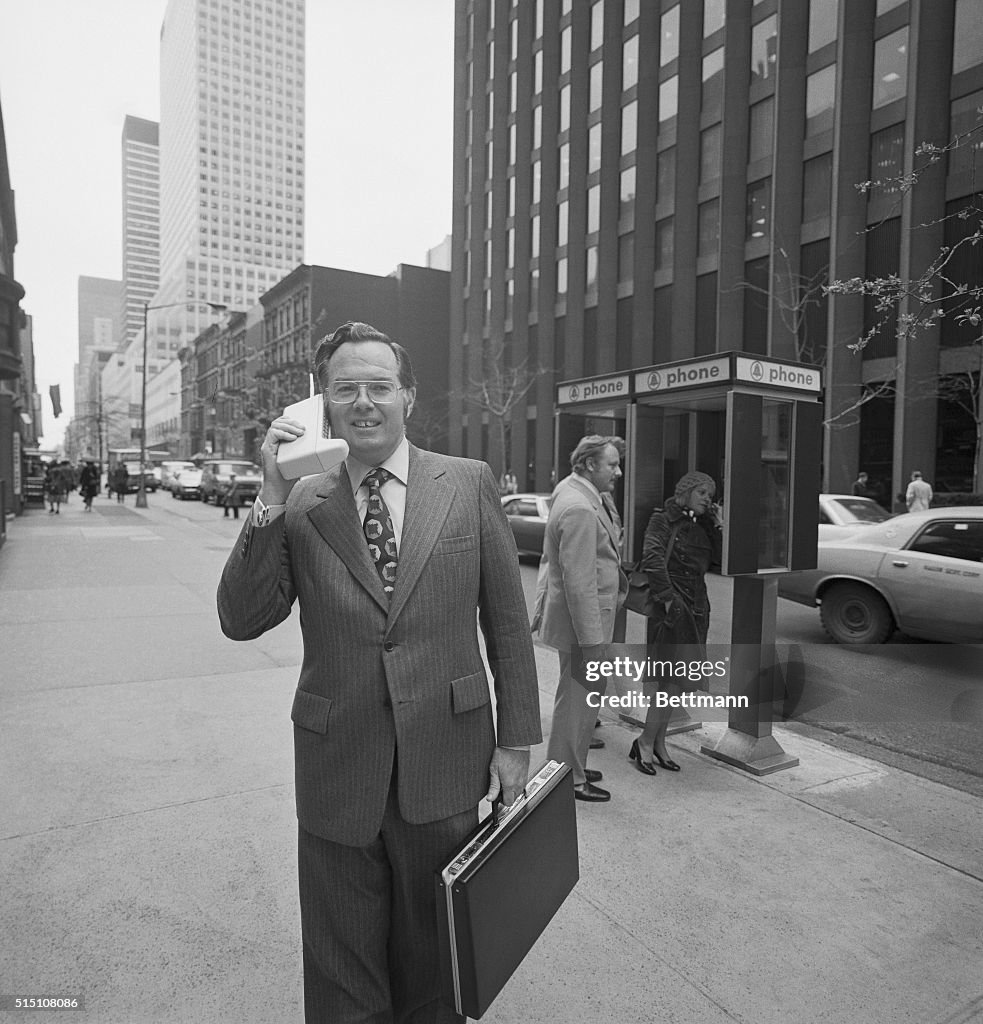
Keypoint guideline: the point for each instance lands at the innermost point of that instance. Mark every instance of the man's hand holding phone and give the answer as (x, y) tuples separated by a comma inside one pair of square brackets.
[(283, 430)]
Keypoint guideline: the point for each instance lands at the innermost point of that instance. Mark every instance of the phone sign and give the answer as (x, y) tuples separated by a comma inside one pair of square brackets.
[(780, 375), (592, 390), (683, 375)]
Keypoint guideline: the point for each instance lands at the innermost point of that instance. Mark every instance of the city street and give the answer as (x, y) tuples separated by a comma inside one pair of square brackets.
[(148, 828)]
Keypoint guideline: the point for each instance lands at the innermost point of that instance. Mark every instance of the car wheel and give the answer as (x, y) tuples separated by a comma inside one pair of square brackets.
[(854, 614)]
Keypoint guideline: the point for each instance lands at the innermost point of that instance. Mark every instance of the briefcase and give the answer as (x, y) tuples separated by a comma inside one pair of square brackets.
[(498, 894)]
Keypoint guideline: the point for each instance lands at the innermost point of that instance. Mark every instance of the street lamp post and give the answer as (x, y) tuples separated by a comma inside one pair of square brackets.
[(216, 307)]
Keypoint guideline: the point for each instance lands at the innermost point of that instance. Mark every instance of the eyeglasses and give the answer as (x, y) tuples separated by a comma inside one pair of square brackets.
[(380, 392)]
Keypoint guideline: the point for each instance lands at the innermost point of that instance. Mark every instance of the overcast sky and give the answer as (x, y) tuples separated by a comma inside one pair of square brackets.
[(379, 144)]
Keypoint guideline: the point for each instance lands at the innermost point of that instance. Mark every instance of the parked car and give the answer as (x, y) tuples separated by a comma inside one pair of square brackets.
[(186, 484), (527, 515), (168, 470), (920, 572), (215, 475), (841, 514), (133, 478)]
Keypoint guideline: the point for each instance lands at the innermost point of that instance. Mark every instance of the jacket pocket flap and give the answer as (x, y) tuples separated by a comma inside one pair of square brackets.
[(469, 692), (448, 545), (311, 711)]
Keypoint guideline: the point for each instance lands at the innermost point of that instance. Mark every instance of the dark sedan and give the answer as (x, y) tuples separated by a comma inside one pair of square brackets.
[(527, 514)]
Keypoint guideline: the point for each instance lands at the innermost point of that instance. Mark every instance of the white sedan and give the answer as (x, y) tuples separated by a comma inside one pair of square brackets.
[(841, 514), (921, 573)]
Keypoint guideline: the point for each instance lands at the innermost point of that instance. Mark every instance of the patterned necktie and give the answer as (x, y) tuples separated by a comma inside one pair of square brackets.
[(378, 529)]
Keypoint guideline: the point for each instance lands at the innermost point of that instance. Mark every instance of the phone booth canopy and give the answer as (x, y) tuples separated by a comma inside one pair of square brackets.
[(753, 424)]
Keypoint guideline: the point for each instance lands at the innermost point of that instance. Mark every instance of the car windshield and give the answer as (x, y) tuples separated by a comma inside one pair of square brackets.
[(863, 510), (239, 468)]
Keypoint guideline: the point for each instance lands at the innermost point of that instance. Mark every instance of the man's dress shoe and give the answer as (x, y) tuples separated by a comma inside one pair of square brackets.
[(593, 794)]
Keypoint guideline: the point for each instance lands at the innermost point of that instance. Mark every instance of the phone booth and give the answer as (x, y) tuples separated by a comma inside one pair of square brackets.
[(754, 425)]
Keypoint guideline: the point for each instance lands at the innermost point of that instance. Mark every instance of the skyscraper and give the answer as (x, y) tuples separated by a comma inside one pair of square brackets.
[(642, 182), (141, 223), (231, 154), (99, 315)]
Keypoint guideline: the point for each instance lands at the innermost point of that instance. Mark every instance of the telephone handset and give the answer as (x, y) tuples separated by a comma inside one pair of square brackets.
[(315, 451)]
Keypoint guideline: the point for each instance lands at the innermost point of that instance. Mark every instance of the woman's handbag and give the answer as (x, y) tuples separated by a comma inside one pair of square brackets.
[(639, 598)]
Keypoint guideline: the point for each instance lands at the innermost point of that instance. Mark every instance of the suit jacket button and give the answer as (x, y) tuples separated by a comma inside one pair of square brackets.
[(388, 646)]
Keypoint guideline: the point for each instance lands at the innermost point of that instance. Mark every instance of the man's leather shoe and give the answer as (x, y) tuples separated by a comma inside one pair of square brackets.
[(592, 775), (596, 744), (594, 794)]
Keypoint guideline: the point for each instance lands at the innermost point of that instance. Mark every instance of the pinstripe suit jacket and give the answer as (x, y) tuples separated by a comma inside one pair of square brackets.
[(404, 675)]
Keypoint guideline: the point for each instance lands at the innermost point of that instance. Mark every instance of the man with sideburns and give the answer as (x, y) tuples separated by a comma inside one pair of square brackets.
[(394, 556), (581, 588)]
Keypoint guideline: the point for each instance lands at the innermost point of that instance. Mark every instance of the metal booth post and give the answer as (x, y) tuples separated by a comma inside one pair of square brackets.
[(754, 424)]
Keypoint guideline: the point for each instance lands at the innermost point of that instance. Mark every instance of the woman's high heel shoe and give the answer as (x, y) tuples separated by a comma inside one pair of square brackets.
[(634, 754), (668, 763)]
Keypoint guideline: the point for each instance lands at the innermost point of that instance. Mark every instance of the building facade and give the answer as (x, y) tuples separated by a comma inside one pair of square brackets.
[(11, 362), (141, 228), (637, 183), (238, 377), (231, 154), (100, 322), (20, 403)]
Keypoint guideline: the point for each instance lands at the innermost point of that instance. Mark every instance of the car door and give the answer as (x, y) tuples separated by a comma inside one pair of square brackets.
[(937, 581)]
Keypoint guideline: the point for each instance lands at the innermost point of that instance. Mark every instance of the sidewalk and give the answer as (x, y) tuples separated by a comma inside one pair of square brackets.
[(147, 829)]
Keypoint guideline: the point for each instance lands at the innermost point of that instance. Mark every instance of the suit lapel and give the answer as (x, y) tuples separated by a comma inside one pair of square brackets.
[(336, 520), (428, 501), (612, 522)]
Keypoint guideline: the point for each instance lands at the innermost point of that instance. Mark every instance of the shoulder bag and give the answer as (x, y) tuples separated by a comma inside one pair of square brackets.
[(639, 597)]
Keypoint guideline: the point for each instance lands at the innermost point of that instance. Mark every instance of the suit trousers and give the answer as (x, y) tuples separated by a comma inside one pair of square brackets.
[(368, 919), (573, 719)]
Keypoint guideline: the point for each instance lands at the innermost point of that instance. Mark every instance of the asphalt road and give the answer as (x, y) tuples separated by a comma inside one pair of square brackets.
[(915, 705)]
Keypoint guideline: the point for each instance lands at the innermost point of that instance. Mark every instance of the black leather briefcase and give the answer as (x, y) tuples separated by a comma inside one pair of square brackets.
[(498, 894)]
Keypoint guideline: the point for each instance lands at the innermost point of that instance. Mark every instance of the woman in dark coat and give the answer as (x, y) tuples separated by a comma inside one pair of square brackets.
[(688, 530), (89, 483)]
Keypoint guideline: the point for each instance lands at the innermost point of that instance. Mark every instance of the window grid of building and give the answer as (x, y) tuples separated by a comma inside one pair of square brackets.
[(675, 167)]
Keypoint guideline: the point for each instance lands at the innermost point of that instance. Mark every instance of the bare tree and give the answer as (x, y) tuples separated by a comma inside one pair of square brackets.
[(427, 426), (499, 391), (795, 297), (935, 293)]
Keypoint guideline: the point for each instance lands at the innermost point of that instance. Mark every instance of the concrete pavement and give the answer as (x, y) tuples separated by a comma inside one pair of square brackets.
[(147, 829)]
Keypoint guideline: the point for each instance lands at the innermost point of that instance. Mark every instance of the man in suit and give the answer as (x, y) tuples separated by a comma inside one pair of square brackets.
[(390, 555), (918, 497), (583, 588)]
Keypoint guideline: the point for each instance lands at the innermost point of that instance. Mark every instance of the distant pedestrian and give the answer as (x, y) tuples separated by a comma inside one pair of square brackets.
[(54, 488), (919, 494), (89, 483), (507, 483), (121, 480), (232, 498), (862, 488)]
